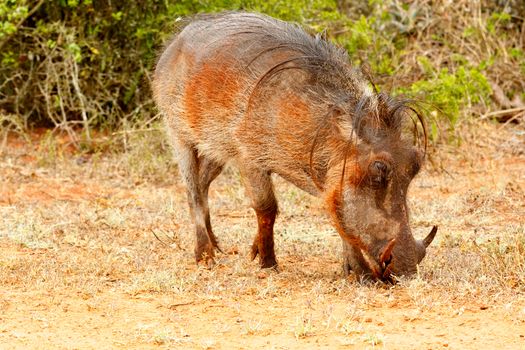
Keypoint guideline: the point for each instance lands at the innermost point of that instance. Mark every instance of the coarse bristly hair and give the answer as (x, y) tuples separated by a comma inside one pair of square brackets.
[(373, 115), (327, 65)]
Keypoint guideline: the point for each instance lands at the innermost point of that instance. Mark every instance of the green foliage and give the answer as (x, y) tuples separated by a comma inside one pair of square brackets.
[(360, 35), (495, 19), (87, 63), (90, 60), (11, 13), (451, 92)]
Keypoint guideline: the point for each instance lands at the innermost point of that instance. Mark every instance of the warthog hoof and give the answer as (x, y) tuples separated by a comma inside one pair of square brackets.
[(266, 259), (205, 254), (347, 268)]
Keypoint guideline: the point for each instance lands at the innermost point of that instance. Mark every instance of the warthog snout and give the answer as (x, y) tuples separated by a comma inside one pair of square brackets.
[(388, 262)]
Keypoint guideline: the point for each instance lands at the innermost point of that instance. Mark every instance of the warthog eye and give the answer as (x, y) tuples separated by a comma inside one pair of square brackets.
[(379, 174)]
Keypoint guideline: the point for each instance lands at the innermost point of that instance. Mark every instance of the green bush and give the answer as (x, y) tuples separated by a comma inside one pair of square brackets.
[(87, 63), (449, 93)]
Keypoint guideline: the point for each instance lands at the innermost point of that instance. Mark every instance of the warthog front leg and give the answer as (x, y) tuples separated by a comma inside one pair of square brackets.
[(348, 258), (263, 244), (260, 189)]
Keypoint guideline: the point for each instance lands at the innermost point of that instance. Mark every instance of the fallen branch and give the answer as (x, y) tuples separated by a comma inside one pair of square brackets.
[(503, 112), (513, 118)]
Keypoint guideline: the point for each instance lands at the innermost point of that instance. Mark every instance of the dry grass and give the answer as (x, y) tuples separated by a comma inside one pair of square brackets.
[(82, 227)]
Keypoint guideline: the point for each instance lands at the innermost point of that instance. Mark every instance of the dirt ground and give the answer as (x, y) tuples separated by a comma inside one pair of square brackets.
[(81, 267)]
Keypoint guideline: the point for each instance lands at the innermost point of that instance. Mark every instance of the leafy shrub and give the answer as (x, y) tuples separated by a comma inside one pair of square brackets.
[(450, 92), (87, 63)]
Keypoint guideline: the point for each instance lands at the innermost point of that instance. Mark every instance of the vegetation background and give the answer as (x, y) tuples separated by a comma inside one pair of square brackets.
[(87, 183), (85, 65)]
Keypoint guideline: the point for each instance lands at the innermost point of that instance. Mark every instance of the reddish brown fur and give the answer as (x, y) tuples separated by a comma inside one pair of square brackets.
[(212, 86), (292, 109)]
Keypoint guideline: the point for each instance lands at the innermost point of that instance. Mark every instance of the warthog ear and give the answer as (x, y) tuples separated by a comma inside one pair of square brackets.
[(385, 257)]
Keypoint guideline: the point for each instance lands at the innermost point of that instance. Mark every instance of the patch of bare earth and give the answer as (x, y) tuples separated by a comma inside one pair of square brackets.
[(81, 268)]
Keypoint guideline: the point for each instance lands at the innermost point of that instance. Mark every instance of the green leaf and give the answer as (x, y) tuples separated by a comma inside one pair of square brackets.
[(76, 51)]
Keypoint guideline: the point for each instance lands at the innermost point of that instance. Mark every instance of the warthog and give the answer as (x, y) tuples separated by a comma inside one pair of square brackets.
[(271, 98)]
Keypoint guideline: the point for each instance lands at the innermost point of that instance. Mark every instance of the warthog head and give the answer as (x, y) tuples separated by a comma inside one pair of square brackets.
[(367, 197)]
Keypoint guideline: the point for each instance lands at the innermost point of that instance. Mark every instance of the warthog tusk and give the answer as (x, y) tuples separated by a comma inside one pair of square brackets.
[(428, 239), (386, 255)]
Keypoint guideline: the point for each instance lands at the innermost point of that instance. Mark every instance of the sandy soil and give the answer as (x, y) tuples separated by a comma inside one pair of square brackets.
[(81, 269), (60, 319)]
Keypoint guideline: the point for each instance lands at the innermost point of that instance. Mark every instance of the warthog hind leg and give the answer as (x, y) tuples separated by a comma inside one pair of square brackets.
[(198, 173)]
